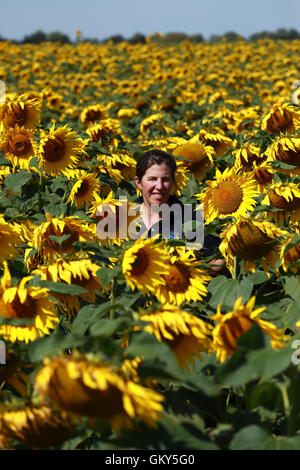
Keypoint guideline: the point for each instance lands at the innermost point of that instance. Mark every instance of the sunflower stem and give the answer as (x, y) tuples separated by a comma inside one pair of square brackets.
[(41, 189), (234, 272), (112, 297)]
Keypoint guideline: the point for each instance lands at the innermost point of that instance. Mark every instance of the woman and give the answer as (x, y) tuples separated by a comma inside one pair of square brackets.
[(155, 178)]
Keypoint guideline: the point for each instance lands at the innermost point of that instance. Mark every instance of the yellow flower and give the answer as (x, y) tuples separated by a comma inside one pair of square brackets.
[(28, 303), (144, 265), (230, 194), (12, 373), (97, 391), (246, 156), (38, 427), (104, 132), (199, 158), (90, 114), (287, 150), (282, 118), (84, 190), (251, 240), (263, 175), (220, 143), (291, 255), (286, 198), (18, 146), (48, 248), (149, 121), (59, 150), (230, 326), (118, 165), (127, 113), (20, 111), (10, 238), (185, 279), (114, 218), (81, 272), (186, 334)]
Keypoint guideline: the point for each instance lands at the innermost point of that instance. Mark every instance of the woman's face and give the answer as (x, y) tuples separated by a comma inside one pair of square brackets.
[(156, 184)]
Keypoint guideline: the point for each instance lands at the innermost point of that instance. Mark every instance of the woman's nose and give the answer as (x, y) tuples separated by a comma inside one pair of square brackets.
[(158, 184)]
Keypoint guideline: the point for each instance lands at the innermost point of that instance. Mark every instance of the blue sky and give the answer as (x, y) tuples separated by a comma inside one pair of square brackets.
[(103, 18)]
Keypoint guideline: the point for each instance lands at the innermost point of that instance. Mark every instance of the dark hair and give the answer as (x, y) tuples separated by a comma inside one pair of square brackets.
[(154, 157)]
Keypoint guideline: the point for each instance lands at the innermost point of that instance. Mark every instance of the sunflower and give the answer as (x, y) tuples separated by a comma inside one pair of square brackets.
[(186, 334), (127, 113), (220, 143), (10, 238), (232, 325), (149, 121), (59, 150), (251, 240), (81, 272), (185, 279), (290, 255), (116, 218), (72, 228), (12, 373), (287, 150), (37, 427), (247, 155), (25, 302), (104, 132), (84, 190), (168, 144), (144, 265), (263, 175), (4, 171), (18, 146), (281, 119), (20, 111), (230, 194), (199, 158), (286, 198), (97, 391), (119, 165), (92, 113), (246, 119)]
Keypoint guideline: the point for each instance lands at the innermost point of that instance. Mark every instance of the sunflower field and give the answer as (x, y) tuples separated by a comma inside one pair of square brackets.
[(142, 344)]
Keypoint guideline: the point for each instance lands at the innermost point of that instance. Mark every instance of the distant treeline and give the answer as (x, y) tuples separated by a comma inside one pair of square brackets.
[(172, 37)]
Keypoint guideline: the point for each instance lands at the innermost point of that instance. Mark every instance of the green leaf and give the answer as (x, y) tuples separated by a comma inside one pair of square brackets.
[(147, 346), (56, 210), (253, 359), (17, 180), (185, 434), (59, 240), (107, 275), (53, 345), (107, 327), (292, 286), (249, 438), (93, 248), (281, 443), (226, 291), (265, 394), (88, 315), (62, 288), (291, 315)]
